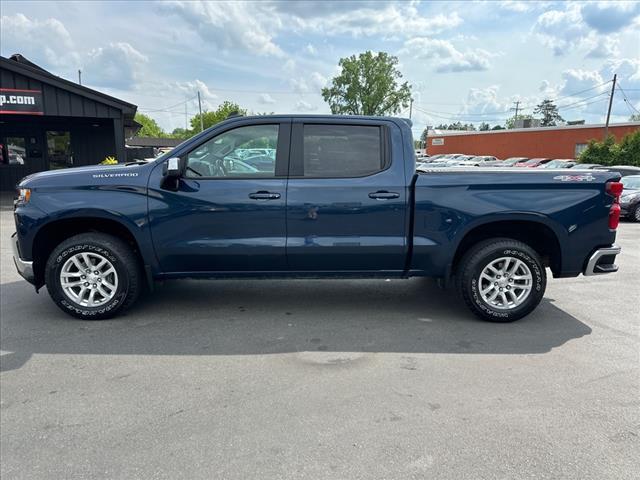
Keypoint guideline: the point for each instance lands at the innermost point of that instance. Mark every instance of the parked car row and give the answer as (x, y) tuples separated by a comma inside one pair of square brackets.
[(462, 160)]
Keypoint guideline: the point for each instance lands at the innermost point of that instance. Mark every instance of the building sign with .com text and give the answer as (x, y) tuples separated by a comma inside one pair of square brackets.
[(437, 141), (21, 102)]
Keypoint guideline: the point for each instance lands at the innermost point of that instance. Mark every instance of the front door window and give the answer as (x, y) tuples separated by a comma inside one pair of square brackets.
[(244, 152), (59, 150)]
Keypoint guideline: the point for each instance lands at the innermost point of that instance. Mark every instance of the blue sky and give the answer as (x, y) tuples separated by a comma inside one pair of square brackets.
[(466, 61)]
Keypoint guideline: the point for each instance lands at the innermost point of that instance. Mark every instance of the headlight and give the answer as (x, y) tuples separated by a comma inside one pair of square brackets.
[(24, 194)]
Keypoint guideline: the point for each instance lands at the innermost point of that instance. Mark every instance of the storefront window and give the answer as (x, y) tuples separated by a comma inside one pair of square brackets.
[(59, 150), (13, 151)]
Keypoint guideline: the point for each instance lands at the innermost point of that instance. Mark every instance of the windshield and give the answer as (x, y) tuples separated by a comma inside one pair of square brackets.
[(631, 183)]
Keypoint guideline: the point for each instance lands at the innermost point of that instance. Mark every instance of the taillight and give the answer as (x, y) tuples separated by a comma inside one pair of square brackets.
[(614, 216), (615, 190)]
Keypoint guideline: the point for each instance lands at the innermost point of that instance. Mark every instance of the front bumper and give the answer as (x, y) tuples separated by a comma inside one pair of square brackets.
[(601, 261), (24, 267)]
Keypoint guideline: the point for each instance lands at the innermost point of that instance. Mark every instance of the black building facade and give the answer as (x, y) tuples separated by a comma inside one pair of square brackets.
[(47, 122)]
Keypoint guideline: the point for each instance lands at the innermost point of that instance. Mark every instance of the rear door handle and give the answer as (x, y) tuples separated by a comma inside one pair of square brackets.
[(384, 195), (264, 195)]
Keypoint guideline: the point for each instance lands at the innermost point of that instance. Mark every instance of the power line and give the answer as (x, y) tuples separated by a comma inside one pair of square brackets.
[(626, 100), (166, 109), (564, 107)]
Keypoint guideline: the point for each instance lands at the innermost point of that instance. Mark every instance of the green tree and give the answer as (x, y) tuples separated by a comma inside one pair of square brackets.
[(497, 127), (181, 133), (608, 152), (511, 122), (368, 85), (599, 152), (549, 112), (211, 118), (424, 135), (635, 117), (628, 151), (149, 128), (483, 127)]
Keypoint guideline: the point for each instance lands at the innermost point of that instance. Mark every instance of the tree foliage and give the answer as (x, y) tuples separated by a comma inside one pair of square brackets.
[(635, 117), (549, 112), (211, 118), (368, 85), (150, 127), (608, 152)]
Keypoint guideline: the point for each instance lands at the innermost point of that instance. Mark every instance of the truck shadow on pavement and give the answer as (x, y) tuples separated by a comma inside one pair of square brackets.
[(262, 317)]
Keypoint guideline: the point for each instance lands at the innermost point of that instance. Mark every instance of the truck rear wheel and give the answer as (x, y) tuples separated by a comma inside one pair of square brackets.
[(501, 280), (93, 276)]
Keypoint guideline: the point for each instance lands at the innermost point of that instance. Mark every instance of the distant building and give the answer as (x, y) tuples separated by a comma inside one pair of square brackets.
[(567, 141), (47, 122), (140, 148), (527, 123)]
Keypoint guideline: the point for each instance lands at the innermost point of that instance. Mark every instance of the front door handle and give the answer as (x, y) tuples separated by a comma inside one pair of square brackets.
[(384, 195), (264, 195)]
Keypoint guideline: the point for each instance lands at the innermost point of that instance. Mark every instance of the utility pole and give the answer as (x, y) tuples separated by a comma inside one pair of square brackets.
[(410, 108), (185, 118), (613, 90), (517, 103), (79, 77), (200, 109)]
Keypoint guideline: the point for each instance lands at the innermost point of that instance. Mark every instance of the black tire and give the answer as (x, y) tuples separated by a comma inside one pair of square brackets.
[(635, 215), (478, 257), (121, 256)]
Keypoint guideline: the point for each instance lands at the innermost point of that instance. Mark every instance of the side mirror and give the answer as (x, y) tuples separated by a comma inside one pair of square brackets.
[(172, 171), (173, 168)]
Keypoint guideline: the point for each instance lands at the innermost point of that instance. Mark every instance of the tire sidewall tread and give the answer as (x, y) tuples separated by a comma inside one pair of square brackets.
[(476, 259), (117, 252)]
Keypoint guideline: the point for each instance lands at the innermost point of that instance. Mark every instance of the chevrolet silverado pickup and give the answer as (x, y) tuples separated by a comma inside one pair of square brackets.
[(311, 197)]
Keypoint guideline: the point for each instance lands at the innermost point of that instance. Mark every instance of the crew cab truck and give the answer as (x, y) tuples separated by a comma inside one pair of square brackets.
[(339, 198)]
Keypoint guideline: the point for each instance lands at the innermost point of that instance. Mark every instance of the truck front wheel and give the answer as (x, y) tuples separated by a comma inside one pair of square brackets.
[(501, 280), (93, 276)]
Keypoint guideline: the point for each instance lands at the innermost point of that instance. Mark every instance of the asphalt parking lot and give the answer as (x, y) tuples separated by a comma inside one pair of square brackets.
[(323, 380)]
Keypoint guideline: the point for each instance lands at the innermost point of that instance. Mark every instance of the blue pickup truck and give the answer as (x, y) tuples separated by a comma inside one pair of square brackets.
[(311, 197)]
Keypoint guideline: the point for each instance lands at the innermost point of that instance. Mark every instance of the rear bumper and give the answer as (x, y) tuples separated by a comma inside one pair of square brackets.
[(602, 261), (24, 267)]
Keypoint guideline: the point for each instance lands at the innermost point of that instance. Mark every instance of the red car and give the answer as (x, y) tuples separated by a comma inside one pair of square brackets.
[(534, 162)]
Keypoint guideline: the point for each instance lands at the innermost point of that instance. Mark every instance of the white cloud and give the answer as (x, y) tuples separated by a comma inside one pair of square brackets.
[(46, 41), (610, 17), (363, 19), (517, 6), (310, 49), (576, 80), (589, 25), (190, 90), (486, 101), (446, 56), (628, 70), (266, 99), (604, 47), (313, 83), (303, 106), (249, 27), (561, 29), (115, 65)]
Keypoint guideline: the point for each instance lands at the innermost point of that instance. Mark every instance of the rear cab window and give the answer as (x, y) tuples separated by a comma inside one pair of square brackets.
[(341, 151)]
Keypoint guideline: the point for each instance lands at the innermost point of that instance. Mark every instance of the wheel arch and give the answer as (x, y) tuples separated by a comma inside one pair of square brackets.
[(56, 231), (532, 231)]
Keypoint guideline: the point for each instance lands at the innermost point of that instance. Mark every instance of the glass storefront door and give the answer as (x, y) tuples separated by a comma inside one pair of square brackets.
[(59, 153)]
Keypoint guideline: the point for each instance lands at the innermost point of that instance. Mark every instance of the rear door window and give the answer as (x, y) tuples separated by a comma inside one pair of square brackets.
[(331, 151)]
